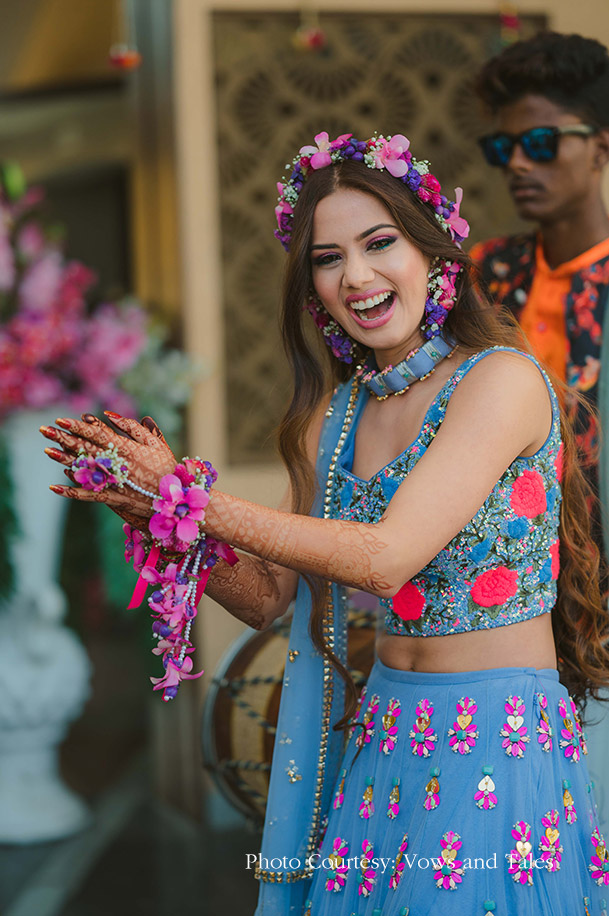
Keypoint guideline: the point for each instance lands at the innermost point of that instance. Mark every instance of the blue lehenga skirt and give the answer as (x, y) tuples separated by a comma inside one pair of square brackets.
[(470, 794)]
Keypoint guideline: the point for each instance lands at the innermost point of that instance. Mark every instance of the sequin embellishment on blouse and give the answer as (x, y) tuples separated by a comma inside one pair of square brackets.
[(502, 567)]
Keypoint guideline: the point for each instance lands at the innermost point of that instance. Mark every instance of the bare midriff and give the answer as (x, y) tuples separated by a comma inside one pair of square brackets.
[(529, 644)]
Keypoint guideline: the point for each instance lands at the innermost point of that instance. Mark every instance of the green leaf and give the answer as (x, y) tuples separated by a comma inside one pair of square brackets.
[(493, 610)]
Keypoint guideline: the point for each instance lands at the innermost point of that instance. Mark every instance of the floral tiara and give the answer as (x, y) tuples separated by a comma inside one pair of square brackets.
[(390, 153)]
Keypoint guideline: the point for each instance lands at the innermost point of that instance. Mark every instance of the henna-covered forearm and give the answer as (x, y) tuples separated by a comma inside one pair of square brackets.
[(350, 553), (251, 590)]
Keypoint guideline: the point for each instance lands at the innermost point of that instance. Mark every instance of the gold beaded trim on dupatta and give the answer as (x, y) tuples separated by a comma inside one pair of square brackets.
[(279, 877)]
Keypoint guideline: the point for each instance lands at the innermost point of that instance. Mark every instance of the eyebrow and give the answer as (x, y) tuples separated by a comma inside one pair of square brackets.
[(360, 237)]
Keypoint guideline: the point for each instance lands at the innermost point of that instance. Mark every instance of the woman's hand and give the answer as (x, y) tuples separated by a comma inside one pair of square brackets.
[(142, 446)]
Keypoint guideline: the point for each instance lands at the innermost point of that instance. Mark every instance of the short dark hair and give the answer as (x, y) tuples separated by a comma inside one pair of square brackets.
[(569, 70)]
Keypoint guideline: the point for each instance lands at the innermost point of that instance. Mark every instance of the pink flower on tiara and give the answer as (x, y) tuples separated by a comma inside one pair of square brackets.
[(390, 156), (459, 227), (320, 156)]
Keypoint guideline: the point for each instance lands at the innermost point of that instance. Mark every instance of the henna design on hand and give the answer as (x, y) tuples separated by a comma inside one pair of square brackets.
[(142, 446), (249, 590)]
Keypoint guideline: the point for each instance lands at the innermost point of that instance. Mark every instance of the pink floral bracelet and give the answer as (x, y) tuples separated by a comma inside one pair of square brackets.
[(177, 544), (177, 526)]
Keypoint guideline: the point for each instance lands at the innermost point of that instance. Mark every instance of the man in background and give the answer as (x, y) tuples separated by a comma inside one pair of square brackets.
[(550, 99)]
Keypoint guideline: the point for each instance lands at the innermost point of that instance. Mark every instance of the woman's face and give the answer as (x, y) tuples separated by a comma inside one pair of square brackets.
[(369, 277)]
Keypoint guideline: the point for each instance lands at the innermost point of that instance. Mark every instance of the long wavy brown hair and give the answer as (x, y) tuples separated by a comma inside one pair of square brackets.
[(579, 618)]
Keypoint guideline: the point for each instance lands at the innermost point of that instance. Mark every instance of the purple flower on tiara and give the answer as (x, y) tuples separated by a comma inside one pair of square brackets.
[(413, 180), (321, 155), (392, 155)]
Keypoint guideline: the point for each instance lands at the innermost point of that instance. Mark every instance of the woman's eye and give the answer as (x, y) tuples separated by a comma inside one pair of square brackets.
[(324, 259), (381, 244)]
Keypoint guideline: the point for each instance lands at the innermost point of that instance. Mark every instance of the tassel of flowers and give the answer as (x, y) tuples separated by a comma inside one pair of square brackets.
[(176, 528)]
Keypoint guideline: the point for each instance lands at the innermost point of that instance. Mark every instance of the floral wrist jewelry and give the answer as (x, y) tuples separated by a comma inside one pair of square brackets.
[(104, 470), (176, 527), (177, 544)]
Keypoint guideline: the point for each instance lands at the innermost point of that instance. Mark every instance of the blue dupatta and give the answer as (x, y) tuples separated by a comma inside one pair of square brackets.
[(307, 751)]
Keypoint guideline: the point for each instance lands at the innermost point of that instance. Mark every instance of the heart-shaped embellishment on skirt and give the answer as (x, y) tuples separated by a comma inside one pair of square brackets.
[(423, 723), (552, 834), (515, 722), (523, 848), (486, 784), (464, 721), (448, 855)]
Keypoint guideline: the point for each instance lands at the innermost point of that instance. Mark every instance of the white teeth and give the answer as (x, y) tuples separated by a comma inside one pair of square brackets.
[(362, 304)]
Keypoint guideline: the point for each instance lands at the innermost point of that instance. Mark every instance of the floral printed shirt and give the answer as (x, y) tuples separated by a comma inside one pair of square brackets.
[(503, 566), (507, 267)]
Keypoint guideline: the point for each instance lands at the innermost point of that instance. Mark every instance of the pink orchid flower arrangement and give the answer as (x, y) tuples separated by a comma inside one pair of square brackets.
[(176, 527)]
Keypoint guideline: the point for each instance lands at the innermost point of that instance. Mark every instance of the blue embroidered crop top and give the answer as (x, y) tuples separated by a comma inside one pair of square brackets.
[(502, 566)]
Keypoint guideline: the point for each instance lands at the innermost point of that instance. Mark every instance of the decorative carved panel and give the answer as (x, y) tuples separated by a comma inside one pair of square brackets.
[(380, 72)]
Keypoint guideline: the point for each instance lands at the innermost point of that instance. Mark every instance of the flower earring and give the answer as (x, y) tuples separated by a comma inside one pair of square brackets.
[(343, 347), (441, 295)]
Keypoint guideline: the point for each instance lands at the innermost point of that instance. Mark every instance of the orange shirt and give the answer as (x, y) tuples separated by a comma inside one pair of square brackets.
[(543, 317)]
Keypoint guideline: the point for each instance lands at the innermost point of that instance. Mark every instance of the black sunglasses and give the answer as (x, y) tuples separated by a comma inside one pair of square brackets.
[(540, 144)]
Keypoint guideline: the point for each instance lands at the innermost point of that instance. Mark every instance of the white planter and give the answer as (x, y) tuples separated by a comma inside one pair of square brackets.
[(44, 669)]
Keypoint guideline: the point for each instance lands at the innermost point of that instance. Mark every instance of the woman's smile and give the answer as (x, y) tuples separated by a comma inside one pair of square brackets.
[(372, 310)]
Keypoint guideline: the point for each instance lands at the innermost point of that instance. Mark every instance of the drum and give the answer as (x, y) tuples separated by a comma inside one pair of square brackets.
[(242, 705)]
